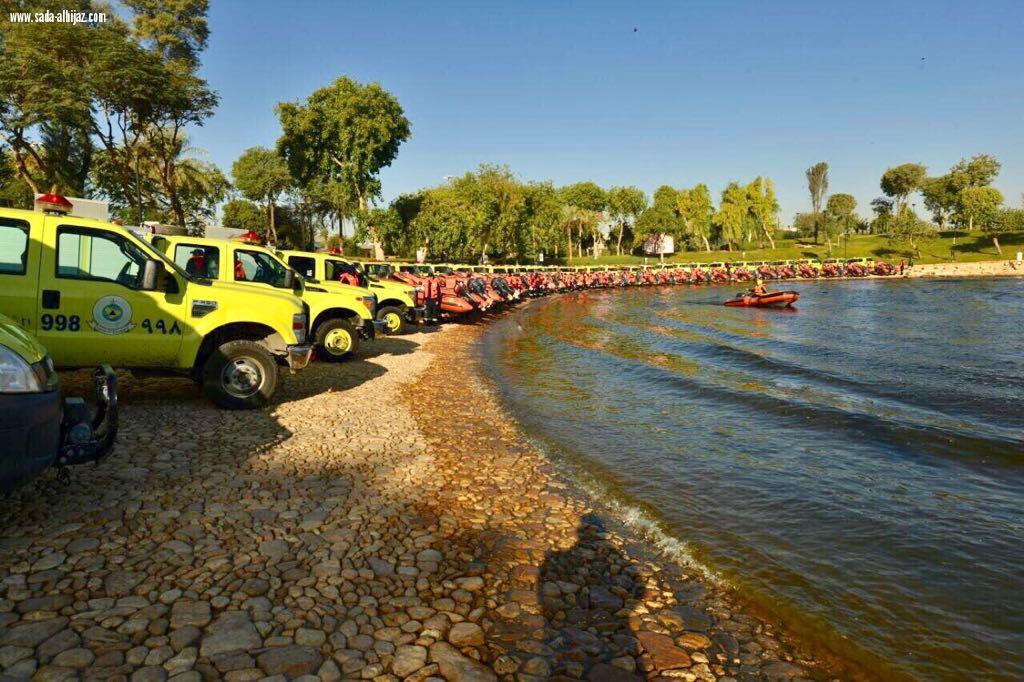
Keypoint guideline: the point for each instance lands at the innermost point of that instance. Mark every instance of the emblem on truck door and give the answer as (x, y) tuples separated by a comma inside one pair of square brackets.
[(112, 315)]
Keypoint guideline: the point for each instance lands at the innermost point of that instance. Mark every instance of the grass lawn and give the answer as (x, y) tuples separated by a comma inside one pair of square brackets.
[(969, 247)]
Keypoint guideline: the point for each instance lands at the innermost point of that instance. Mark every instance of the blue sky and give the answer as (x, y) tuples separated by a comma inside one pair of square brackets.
[(699, 92)]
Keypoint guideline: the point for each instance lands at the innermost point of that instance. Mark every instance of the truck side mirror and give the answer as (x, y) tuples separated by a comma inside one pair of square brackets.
[(289, 279), (149, 273)]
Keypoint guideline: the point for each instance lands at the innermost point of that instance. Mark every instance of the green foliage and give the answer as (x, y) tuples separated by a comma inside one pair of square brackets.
[(42, 81), (763, 207), (942, 194), (585, 195), (732, 216), (661, 217), (904, 227), (840, 216), (625, 204), (260, 174), (1008, 220), (817, 185), (841, 205), (901, 181), (979, 171), (339, 139), (805, 223), (543, 219), (697, 212), (979, 206), (242, 214), (176, 29)]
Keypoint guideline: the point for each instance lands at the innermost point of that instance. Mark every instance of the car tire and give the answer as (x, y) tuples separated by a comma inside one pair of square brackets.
[(336, 340), (240, 375), (394, 320)]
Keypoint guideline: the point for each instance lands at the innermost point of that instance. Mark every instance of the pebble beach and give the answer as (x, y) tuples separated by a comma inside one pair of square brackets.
[(385, 520)]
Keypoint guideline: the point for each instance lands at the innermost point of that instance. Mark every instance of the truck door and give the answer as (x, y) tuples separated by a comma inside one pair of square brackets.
[(91, 306), (19, 270)]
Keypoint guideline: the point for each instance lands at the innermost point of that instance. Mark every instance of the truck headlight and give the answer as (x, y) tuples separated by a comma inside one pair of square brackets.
[(299, 326), (18, 376)]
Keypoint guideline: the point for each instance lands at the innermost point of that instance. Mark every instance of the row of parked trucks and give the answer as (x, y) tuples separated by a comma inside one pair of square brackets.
[(229, 314)]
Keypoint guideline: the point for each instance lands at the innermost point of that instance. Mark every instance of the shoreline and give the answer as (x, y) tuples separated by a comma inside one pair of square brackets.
[(716, 631)]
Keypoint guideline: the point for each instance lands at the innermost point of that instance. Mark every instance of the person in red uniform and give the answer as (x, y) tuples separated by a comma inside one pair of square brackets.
[(196, 265), (759, 288)]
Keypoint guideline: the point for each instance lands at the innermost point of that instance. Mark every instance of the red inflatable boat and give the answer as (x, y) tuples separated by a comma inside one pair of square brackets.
[(776, 299)]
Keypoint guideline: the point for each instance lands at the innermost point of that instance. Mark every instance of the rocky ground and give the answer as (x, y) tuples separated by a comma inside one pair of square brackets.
[(383, 521)]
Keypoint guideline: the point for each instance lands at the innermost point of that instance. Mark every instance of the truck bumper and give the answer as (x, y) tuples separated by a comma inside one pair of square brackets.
[(29, 436), (298, 356), (416, 315), (371, 329)]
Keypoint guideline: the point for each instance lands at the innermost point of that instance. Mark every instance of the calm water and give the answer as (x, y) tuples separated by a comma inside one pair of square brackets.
[(857, 464)]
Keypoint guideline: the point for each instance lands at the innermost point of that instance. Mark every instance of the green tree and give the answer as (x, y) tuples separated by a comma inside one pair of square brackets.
[(732, 214), (763, 207), (697, 211), (840, 212), (339, 139), (242, 214), (625, 204), (906, 227), (174, 29), (978, 171), (803, 223), (942, 194), (583, 200), (817, 185), (1008, 220), (261, 175), (901, 181), (543, 219), (43, 82), (661, 217), (980, 205)]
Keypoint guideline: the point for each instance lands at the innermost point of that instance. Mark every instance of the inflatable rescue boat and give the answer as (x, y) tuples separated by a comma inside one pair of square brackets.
[(776, 299)]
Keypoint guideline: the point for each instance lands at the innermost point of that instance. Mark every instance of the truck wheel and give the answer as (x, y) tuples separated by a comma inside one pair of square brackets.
[(336, 340), (240, 375), (393, 318)]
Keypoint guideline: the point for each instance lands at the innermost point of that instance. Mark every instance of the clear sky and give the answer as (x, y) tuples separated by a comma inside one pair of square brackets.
[(643, 93)]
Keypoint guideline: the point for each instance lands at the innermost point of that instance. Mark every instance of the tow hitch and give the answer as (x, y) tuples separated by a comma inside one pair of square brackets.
[(86, 437)]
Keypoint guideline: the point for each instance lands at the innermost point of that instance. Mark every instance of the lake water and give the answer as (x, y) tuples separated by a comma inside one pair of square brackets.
[(856, 464)]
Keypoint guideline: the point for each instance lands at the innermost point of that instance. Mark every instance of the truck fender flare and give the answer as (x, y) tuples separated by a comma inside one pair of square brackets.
[(234, 331), (331, 313)]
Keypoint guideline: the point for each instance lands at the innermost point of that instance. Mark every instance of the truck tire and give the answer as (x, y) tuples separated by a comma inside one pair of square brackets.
[(240, 375), (394, 321), (336, 340)]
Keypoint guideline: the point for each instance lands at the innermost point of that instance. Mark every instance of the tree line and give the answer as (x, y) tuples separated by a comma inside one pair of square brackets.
[(961, 198)]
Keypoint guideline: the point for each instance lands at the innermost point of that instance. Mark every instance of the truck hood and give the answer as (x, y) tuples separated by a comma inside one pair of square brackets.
[(251, 291), (20, 341), (338, 287)]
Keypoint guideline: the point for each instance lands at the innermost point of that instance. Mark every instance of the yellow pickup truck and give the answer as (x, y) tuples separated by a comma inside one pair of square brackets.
[(396, 302), (340, 315), (94, 292)]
